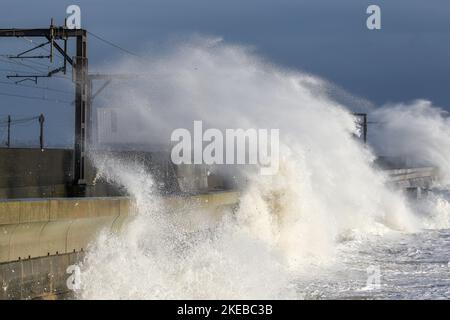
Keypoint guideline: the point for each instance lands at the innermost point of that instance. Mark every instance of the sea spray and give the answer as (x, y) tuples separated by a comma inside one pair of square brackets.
[(417, 132), (155, 257), (326, 191)]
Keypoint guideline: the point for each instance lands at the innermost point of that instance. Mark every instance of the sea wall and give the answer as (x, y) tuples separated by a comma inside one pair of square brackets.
[(35, 172), (40, 238)]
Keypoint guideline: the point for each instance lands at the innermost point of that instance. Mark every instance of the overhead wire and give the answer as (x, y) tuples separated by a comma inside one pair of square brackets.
[(113, 44), (35, 87), (34, 98), (20, 63)]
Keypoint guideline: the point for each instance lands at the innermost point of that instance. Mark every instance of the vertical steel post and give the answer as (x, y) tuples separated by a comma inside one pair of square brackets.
[(41, 131), (8, 142), (362, 123), (82, 88), (82, 109), (365, 127)]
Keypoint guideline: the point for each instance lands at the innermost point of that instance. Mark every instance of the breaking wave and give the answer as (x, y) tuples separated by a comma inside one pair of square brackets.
[(327, 191)]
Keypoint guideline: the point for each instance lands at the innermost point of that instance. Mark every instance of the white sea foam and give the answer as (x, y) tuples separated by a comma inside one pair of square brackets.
[(326, 192)]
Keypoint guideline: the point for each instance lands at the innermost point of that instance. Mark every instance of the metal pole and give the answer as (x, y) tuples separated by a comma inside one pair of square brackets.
[(82, 109), (82, 89), (365, 128), (41, 135), (362, 124), (8, 142)]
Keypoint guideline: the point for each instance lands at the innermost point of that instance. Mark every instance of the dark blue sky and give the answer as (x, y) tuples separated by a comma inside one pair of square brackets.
[(409, 58)]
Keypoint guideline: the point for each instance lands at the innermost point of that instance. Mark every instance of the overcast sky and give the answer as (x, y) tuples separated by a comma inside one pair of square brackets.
[(409, 58)]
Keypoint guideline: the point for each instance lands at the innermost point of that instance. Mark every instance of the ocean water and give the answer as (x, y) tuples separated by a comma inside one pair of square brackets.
[(157, 258), (411, 266), (312, 230)]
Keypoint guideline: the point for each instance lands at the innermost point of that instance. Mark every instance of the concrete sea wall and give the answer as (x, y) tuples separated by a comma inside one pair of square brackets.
[(40, 238), (34, 173)]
